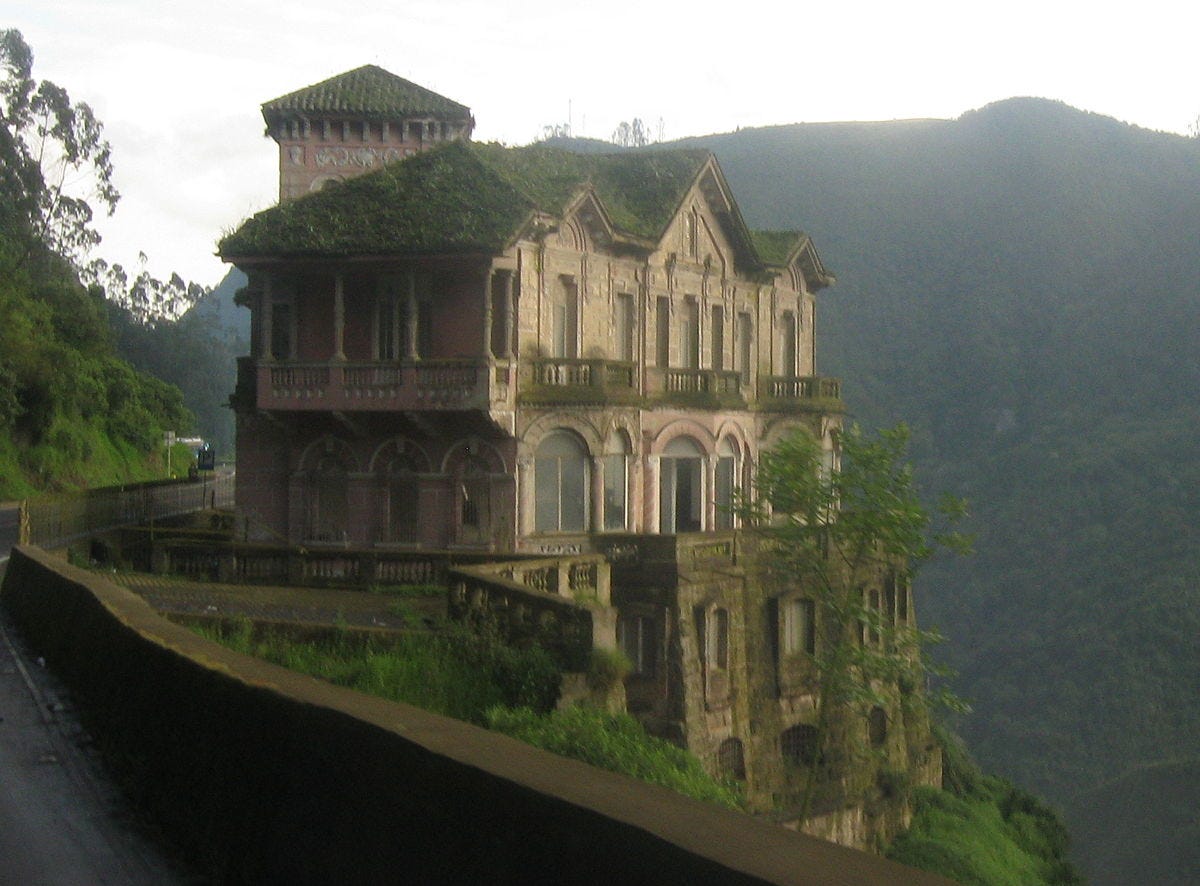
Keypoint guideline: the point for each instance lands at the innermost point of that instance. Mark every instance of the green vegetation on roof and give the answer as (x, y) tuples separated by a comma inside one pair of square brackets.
[(774, 247), (465, 197), (369, 91)]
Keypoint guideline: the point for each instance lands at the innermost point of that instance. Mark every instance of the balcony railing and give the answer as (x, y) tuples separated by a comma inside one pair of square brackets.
[(576, 380), (804, 391), (427, 384)]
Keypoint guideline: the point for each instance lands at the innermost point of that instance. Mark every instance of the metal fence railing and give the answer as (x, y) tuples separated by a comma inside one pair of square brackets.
[(57, 520)]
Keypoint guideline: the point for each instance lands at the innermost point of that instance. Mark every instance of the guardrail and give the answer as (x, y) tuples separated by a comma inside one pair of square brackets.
[(57, 520)]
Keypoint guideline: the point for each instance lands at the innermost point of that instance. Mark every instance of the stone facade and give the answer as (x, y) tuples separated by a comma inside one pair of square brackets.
[(591, 380)]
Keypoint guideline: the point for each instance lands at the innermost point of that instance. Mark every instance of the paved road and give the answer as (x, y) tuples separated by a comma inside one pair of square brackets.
[(61, 819)]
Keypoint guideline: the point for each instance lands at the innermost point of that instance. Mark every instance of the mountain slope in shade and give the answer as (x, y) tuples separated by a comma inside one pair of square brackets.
[(1022, 286)]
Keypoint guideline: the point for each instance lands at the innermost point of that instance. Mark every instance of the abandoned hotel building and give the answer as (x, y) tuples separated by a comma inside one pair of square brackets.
[(524, 351)]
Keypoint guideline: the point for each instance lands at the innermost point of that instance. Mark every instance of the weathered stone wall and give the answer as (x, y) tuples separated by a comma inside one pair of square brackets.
[(263, 775)]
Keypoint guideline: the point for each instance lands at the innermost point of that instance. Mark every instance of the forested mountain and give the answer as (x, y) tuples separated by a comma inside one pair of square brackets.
[(197, 353), (1022, 286)]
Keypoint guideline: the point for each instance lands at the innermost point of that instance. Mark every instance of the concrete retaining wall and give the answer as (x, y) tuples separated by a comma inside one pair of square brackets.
[(264, 775)]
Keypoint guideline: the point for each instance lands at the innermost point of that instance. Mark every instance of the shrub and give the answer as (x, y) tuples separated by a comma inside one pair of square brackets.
[(607, 668), (615, 742)]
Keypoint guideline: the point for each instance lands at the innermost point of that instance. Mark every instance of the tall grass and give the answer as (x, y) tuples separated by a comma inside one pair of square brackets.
[(457, 673), (476, 677)]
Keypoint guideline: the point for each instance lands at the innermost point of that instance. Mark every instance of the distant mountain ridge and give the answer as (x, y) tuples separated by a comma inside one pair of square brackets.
[(1022, 285)]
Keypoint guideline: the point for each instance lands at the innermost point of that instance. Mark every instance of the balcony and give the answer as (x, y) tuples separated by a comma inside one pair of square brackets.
[(697, 388), (561, 380), (781, 393), (379, 387)]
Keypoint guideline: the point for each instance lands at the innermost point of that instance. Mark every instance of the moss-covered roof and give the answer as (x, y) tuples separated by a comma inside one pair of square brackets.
[(467, 197), (464, 197), (366, 92), (775, 247)]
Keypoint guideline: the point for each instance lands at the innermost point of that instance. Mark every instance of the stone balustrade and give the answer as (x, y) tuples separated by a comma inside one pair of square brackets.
[(377, 386)]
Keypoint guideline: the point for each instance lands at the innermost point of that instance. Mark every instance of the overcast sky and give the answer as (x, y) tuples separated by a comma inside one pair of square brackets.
[(178, 85)]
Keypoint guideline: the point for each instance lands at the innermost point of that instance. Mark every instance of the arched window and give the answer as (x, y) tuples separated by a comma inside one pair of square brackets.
[(726, 482), (799, 745), (681, 487), (731, 759), (561, 484), (616, 482)]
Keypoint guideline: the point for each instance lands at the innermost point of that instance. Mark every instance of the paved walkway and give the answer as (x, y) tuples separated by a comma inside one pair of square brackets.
[(309, 606), (62, 819)]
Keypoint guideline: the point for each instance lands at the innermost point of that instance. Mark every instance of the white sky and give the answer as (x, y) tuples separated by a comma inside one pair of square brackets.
[(178, 85)]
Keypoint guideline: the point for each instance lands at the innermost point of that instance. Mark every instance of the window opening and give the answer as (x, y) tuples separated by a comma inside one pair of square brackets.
[(718, 337), (799, 626), (560, 484), (616, 483), (662, 332), (681, 487), (745, 334), (625, 325), (637, 638), (731, 759), (799, 745)]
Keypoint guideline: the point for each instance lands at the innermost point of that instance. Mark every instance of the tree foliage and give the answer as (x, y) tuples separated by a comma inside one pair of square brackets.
[(71, 412), (841, 533), (54, 159), (631, 134)]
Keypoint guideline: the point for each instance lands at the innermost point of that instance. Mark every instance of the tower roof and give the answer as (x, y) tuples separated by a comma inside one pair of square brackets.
[(368, 92)]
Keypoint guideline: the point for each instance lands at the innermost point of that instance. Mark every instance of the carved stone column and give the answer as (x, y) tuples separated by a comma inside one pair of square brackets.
[(597, 514), (266, 297), (487, 313), (339, 316), (410, 319), (650, 494), (526, 501), (509, 314)]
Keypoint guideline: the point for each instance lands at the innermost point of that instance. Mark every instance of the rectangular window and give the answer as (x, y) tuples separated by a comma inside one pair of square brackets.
[(386, 329), (788, 356), (745, 336), (689, 328), (624, 326), (662, 333), (720, 636), (718, 337), (281, 330), (565, 320), (636, 637), (799, 626)]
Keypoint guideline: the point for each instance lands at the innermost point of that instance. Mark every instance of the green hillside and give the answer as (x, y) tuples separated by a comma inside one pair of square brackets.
[(1021, 285), (72, 413)]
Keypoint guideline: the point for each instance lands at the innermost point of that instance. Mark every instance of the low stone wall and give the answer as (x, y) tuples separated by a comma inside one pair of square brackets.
[(264, 775)]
